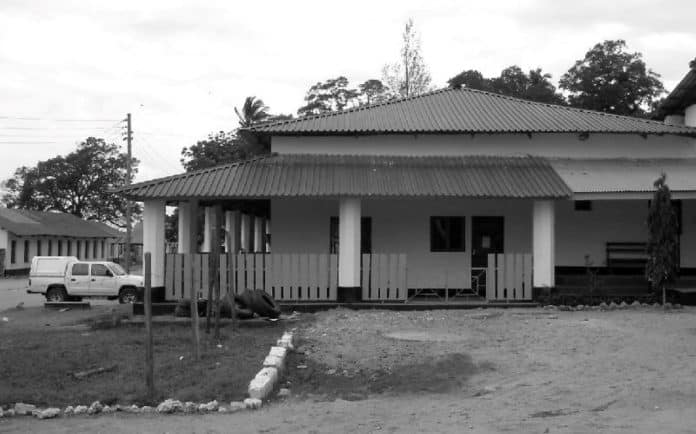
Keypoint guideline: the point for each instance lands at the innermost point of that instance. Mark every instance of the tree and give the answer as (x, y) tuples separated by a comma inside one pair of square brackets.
[(330, 95), (535, 86), (79, 183), (373, 91), (612, 80), (253, 111), (662, 266), (409, 76), (219, 148)]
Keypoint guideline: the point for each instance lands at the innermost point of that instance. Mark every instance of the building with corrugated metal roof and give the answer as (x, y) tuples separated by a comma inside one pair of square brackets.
[(454, 194), (28, 233)]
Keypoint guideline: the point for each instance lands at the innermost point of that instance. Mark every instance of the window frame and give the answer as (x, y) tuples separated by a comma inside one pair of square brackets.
[(448, 247)]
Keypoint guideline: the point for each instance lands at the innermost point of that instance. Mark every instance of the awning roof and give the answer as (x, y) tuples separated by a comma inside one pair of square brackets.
[(23, 222), (296, 175), (626, 175)]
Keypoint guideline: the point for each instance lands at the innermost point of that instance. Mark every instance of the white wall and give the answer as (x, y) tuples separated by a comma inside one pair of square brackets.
[(548, 145), (401, 226), (19, 255)]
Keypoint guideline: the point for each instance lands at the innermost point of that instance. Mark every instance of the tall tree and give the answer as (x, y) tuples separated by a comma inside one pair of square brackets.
[(409, 76), (79, 183), (535, 86), (330, 95), (373, 91), (612, 80), (662, 266), (253, 111), (219, 148)]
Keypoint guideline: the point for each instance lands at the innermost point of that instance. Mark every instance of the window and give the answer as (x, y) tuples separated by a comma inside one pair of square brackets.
[(38, 247), (100, 270), (26, 251), (80, 270), (365, 235), (102, 249), (79, 247), (69, 248), (50, 248), (94, 249), (13, 252), (447, 234), (583, 205)]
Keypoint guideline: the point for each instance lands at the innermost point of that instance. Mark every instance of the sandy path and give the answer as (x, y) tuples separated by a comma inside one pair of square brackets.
[(621, 371)]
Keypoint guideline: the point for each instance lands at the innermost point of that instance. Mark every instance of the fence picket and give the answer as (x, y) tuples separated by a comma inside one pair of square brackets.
[(491, 280), (365, 275), (312, 282), (323, 277), (527, 276), (393, 264), (259, 267), (519, 271), (402, 287), (179, 277), (333, 276), (168, 275), (223, 275)]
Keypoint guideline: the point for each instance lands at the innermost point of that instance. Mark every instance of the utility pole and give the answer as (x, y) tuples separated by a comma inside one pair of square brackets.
[(129, 138)]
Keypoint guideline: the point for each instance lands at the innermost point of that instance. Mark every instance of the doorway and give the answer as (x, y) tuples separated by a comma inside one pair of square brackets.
[(487, 236)]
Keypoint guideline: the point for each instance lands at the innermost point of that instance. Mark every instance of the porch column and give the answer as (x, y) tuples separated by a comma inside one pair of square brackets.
[(544, 244), (232, 223), (205, 248), (188, 227), (258, 234), (267, 238), (349, 250), (245, 233), (153, 238)]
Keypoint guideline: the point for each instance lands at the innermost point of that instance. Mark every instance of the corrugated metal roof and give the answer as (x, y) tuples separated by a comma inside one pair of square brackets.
[(27, 222), (293, 175), (466, 111), (683, 95), (625, 175)]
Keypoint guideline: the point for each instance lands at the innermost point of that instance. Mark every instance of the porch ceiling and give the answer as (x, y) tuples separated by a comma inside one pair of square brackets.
[(625, 175), (299, 175)]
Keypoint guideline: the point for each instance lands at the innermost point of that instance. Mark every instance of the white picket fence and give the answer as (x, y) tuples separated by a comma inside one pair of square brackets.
[(509, 277), (384, 277)]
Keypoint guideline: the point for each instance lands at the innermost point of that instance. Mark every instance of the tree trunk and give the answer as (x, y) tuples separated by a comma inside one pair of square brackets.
[(664, 297)]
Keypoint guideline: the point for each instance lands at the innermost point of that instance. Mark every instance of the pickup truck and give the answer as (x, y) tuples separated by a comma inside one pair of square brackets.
[(63, 278)]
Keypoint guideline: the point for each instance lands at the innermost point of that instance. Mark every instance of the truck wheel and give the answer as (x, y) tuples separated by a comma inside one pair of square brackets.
[(54, 295), (127, 296)]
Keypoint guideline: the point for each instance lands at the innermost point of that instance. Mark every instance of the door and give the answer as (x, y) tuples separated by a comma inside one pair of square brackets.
[(487, 236), (79, 279), (103, 281)]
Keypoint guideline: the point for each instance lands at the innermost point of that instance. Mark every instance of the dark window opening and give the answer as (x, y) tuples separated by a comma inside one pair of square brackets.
[(69, 252), (38, 247), (365, 235), (79, 249), (80, 270), (447, 234), (583, 205), (26, 251), (60, 247), (13, 252)]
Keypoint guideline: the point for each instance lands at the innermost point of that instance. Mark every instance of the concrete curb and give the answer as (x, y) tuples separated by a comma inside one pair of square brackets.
[(267, 378)]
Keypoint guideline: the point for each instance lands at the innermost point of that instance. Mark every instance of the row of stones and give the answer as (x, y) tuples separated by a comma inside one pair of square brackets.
[(613, 306), (259, 388)]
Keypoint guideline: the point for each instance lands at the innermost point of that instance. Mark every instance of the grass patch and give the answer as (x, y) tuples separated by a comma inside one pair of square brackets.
[(37, 365)]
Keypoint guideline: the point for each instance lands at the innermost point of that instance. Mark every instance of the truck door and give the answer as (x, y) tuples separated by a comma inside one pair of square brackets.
[(102, 282), (78, 281)]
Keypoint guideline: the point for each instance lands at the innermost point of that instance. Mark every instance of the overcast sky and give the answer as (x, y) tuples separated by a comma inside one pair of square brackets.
[(180, 67)]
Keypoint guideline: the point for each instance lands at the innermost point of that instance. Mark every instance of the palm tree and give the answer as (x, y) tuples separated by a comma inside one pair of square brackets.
[(253, 110)]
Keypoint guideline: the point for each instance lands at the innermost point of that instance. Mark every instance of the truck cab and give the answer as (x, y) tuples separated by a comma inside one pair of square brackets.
[(66, 278)]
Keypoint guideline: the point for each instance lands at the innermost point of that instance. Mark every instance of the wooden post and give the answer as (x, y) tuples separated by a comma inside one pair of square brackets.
[(149, 363), (195, 325), (231, 279), (215, 275)]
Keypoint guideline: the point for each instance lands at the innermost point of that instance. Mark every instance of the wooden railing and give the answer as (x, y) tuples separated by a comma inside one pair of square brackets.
[(286, 277), (383, 277), (509, 277)]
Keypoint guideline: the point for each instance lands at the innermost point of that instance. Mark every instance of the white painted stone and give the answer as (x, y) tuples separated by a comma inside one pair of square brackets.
[(264, 382), (81, 409), (22, 409), (236, 406), (48, 413), (278, 351), (169, 406), (274, 362), (286, 341), (253, 403)]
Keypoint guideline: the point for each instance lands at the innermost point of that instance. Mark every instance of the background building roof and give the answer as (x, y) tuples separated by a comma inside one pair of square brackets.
[(294, 175), (681, 97), (27, 222), (450, 111)]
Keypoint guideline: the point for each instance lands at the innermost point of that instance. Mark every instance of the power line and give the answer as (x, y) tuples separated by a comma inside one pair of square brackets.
[(26, 118)]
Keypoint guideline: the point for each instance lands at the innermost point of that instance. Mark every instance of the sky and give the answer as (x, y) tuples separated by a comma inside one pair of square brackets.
[(73, 69)]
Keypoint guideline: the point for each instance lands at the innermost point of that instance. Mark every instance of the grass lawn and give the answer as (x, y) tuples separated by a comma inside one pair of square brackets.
[(37, 362)]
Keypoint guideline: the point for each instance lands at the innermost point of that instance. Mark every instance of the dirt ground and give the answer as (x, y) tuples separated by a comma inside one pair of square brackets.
[(467, 371)]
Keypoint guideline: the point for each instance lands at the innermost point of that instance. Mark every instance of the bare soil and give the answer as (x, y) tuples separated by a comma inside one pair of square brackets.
[(467, 371)]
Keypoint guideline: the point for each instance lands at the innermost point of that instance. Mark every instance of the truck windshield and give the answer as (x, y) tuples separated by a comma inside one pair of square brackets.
[(118, 270)]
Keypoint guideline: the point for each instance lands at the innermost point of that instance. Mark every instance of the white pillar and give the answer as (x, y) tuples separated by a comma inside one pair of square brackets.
[(544, 244), (153, 238), (205, 248), (245, 233), (232, 231), (349, 243), (188, 227), (258, 234), (690, 116), (268, 233)]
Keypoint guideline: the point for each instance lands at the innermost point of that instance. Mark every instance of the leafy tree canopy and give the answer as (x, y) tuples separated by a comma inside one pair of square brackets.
[(409, 76), (373, 91), (612, 80), (330, 95), (78, 183), (219, 148), (253, 111), (535, 86)]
